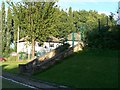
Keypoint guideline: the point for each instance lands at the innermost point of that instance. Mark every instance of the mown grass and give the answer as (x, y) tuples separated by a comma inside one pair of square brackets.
[(11, 66), (86, 69)]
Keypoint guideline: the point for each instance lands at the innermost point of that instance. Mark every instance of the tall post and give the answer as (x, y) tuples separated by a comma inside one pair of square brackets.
[(107, 21), (80, 36), (81, 32), (98, 24), (73, 39), (66, 38)]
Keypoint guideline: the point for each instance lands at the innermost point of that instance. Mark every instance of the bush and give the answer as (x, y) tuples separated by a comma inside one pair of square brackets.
[(5, 55), (12, 58), (104, 39)]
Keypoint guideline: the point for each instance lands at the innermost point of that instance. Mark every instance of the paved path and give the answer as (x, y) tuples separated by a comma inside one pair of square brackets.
[(35, 83)]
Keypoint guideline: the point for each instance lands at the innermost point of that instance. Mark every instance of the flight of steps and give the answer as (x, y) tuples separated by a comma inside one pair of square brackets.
[(49, 59)]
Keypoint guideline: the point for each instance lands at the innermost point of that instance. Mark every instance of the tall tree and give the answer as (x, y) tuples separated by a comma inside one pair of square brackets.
[(0, 32), (39, 21), (3, 28), (9, 30), (17, 20), (35, 20), (0, 20), (71, 20), (62, 25)]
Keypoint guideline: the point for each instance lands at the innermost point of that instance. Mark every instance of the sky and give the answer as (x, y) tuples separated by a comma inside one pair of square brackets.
[(102, 6)]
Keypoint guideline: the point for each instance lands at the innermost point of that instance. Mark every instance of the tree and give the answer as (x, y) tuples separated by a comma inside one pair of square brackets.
[(39, 21), (17, 21), (71, 20), (3, 28), (0, 32), (9, 30), (62, 25), (35, 20), (0, 20)]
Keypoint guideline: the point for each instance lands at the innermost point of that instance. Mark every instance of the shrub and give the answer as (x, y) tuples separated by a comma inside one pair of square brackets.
[(104, 39)]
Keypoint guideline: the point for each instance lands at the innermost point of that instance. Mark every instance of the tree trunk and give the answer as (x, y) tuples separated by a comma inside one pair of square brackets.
[(28, 56), (18, 41), (29, 50), (33, 48)]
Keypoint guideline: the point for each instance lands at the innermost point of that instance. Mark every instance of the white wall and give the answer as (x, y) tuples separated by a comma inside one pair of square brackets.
[(70, 42), (23, 47)]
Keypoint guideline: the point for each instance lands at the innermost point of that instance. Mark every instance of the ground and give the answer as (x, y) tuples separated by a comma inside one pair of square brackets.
[(10, 84), (92, 68)]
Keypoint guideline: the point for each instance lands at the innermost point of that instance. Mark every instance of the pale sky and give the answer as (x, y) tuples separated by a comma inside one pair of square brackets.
[(102, 6), (105, 6)]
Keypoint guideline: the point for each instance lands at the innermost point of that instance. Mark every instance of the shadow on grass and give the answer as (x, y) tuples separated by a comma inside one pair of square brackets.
[(3, 66), (7, 68)]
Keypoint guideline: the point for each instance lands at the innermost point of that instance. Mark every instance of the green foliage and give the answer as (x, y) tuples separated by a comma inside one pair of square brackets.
[(39, 20), (0, 32), (12, 58), (62, 26), (6, 55), (4, 36), (0, 19), (106, 38), (9, 30)]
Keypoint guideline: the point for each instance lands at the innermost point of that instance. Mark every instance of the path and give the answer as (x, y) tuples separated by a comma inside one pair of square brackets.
[(31, 82)]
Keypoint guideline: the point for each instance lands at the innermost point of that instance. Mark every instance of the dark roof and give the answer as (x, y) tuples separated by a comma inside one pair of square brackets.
[(52, 39)]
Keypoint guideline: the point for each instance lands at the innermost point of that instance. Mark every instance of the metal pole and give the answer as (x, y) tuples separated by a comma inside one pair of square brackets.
[(66, 38), (73, 38), (107, 21), (98, 24), (81, 33)]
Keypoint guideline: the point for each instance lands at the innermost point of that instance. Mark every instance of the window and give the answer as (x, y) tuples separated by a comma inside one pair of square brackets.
[(51, 45), (39, 44)]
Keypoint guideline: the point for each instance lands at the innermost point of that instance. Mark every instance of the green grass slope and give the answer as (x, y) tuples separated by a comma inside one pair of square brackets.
[(85, 69)]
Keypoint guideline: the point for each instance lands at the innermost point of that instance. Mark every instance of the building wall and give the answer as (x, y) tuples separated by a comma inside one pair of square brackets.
[(47, 47), (70, 42), (23, 47)]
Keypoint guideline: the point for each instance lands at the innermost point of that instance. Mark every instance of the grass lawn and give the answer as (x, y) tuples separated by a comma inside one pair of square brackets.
[(85, 69), (11, 66), (88, 69)]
